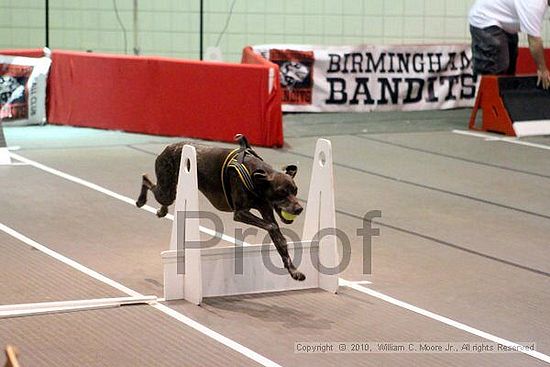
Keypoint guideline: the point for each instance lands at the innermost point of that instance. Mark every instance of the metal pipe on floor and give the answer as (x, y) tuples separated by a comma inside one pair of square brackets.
[(44, 308)]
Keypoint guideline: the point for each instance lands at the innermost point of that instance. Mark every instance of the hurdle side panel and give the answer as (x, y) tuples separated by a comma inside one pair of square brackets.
[(185, 281), (5, 157), (173, 280), (321, 216)]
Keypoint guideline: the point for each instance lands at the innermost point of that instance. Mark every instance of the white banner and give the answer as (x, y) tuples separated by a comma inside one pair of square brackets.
[(367, 78), (23, 89)]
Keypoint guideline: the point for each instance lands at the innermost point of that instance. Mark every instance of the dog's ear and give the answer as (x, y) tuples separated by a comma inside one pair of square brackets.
[(261, 177), (291, 170)]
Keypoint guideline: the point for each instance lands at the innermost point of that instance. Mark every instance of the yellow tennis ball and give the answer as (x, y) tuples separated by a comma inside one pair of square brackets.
[(286, 215)]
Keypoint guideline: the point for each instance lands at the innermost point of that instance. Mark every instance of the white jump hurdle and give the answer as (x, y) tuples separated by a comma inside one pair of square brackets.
[(211, 272), (5, 157)]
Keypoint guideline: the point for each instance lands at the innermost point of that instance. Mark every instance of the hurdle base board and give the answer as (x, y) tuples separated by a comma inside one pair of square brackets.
[(5, 158), (218, 270), (531, 128)]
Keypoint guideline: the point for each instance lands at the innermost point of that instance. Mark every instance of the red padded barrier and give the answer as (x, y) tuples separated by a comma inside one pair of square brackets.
[(526, 64), (274, 112), (162, 96), (155, 95), (30, 52)]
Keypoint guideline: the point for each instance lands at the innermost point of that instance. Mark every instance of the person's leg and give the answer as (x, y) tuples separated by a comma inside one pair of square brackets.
[(490, 50), (513, 40)]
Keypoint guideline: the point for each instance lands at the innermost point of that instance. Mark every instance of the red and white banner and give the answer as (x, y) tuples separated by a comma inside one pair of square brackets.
[(367, 78), (23, 89)]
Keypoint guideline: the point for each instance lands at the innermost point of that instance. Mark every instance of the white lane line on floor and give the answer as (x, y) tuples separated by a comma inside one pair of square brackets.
[(443, 319), (492, 137), (352, 285), (214, 335), (68, 261), (17, 164), (165, 309), (112, 194)]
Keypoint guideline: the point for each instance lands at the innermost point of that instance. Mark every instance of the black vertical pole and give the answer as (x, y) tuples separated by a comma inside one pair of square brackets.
[(47, 23), (201, 23)]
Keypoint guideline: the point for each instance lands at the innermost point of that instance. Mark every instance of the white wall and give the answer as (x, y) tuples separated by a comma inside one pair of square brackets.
[(171, 27)]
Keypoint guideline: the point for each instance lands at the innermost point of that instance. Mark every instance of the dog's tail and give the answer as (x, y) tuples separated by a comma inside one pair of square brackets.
[(243, 141), (245, 147)]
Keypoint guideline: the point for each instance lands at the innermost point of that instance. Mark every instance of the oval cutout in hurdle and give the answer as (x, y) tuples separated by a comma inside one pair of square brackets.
[(210, 272)]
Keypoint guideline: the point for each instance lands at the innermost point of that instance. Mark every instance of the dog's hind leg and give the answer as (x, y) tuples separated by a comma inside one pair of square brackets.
[(166, 170), (163, 210), (146, 184), (164, 198)]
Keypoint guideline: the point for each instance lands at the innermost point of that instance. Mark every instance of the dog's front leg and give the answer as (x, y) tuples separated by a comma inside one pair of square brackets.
[(245, 216), (280, 244), (270, 225)]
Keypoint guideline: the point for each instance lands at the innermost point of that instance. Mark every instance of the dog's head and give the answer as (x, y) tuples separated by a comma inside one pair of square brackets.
[(280, 190)]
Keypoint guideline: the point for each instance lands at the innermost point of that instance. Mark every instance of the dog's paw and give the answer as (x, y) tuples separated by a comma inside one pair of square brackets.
[(140, 203), (296, 275), (162, 212)]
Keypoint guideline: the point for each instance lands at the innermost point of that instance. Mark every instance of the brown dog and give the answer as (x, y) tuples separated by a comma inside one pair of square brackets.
[(247, 183)]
